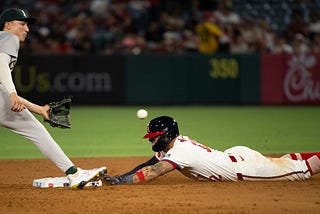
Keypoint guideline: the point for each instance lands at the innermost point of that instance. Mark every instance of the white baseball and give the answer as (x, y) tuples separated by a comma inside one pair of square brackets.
[(142, 113)]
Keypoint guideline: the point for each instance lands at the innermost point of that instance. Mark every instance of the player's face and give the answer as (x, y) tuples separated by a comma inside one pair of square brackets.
[(18, 28), (154, 140)]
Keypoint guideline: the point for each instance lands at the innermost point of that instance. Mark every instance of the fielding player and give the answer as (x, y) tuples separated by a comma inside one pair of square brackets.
[(15, 111), (194, 160)]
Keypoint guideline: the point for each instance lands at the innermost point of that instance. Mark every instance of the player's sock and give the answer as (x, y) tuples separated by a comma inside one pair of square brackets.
[(312, 160), (71, 170), (301, 156), (313, 164), (306, 156)]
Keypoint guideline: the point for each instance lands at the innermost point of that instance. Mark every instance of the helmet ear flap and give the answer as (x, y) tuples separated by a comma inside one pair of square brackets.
[(161, 143)]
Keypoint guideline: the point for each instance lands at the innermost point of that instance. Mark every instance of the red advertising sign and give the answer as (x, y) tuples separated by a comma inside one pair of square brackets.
[(290, 79)]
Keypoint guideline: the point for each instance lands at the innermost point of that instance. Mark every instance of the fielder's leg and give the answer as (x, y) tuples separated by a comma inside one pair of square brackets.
[(26, 125)]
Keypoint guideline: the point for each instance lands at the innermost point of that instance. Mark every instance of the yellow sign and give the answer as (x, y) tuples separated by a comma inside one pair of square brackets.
[(223, 68)]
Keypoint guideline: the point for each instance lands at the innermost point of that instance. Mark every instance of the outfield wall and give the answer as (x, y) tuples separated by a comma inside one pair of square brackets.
[(193, 79), (170, 79)]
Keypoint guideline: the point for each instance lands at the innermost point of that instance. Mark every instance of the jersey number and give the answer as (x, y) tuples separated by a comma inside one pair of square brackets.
[(197, 144)]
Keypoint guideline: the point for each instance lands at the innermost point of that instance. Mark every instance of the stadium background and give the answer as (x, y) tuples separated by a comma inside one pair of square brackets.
[(146, 52)]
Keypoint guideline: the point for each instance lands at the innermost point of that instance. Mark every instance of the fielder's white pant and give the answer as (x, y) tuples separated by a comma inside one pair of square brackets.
[(25, 124)]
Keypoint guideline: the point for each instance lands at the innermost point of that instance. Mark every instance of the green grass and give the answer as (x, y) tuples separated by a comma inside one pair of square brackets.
[(115, 131)]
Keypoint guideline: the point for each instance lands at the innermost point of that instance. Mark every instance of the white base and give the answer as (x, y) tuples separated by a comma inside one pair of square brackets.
[(59, 182)]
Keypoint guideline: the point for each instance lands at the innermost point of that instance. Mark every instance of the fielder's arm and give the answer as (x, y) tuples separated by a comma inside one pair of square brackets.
[(6, 80), (41, 110)]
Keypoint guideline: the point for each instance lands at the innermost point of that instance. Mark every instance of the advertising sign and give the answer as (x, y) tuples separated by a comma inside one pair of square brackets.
[(290, 79), (88, 79)]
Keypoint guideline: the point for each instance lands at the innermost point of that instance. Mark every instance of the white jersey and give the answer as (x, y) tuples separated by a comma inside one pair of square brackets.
[(237, 163), (9, 44), (9, 48)]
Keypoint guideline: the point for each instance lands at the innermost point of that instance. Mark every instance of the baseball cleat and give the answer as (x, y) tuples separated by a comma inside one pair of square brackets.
[(82, 177)]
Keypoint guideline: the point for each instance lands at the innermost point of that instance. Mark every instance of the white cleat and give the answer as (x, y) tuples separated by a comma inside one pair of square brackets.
[(79, 179)]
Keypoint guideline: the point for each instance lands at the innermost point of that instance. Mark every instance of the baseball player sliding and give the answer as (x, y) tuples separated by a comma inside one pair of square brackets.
[(15, 111), (194, 160)]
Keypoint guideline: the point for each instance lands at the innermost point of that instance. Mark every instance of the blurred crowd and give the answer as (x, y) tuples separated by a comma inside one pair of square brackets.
[(162, 27)]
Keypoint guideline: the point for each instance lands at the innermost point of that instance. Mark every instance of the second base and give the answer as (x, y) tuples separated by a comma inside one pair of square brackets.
[(59, 182)]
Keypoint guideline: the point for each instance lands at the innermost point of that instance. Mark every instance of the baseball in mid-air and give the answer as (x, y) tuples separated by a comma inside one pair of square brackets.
[(142, 114)]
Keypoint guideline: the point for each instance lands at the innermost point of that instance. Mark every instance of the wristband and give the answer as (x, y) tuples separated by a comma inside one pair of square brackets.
[(140, 176)]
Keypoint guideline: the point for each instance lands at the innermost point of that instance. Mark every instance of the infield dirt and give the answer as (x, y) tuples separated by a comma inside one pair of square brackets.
[(171, 193)]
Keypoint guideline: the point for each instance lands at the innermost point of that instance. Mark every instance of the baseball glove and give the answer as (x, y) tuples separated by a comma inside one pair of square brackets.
[(59, 113)]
